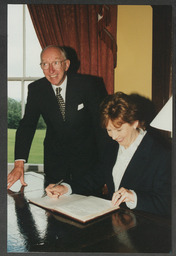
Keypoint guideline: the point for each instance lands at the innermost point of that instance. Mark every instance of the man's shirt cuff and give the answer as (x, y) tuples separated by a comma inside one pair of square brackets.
[(20, 160)]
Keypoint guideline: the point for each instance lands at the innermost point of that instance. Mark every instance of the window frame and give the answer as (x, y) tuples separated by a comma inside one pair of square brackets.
[(23, 78)]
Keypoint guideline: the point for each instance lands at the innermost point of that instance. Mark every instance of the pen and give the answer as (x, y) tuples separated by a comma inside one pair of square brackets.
[(58, 183)]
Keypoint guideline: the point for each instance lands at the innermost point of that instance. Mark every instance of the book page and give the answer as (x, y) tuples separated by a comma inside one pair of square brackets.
[(86, 208)]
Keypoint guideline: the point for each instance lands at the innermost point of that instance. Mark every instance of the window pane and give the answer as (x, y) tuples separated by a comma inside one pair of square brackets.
[(14, 90), (14, 104), (33, 49), (15, 43)]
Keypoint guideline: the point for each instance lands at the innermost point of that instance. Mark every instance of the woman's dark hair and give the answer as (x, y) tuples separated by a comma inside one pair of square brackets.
[(120, 108)]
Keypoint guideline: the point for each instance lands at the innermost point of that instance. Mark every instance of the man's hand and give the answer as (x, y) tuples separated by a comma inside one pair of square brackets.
[(56, 191), (16, 174)]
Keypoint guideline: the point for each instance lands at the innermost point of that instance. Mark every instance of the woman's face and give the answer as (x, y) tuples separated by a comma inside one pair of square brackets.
[(125, 134)]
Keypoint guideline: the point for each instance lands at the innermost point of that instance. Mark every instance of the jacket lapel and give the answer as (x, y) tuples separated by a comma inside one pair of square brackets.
[(136, 167)]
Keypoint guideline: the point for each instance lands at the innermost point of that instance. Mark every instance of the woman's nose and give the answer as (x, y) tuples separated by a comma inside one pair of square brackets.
[(114, 135)]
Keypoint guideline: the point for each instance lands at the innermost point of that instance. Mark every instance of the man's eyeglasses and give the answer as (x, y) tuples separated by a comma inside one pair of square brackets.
[(56, 64)]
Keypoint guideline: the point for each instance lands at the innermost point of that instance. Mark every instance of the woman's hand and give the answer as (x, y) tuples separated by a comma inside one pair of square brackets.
[(122, 195), (56, 191)]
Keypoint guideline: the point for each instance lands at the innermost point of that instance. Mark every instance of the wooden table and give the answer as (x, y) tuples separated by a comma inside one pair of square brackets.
[(33, 229)]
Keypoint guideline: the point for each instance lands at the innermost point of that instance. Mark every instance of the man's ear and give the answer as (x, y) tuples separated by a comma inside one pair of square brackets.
[(67, 65)]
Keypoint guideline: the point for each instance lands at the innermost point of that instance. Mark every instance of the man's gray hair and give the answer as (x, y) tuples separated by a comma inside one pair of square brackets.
[(57, 47)]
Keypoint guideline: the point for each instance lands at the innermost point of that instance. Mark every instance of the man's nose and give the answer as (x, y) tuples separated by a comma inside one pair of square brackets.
[(51, 68)]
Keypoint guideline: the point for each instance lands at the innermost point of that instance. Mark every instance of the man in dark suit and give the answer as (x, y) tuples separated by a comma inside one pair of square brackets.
[(72, 143)]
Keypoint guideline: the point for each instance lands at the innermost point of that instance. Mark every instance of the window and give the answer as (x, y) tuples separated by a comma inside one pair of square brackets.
[(23, 68)]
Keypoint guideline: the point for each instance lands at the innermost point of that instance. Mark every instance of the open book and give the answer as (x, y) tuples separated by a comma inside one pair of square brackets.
[(78, 207)]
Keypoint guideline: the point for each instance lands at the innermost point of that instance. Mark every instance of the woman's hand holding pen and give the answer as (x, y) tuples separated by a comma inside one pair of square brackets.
[(122, 195), (56, 191)]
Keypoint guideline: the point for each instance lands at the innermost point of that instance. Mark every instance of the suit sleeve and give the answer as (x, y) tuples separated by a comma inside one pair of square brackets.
[(27, 125), (157, 198)]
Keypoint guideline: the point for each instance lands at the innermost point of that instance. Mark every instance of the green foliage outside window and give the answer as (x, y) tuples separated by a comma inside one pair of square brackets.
[(14, 115)]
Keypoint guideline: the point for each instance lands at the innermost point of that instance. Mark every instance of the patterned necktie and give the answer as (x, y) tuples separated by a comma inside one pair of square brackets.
[(60, 102)]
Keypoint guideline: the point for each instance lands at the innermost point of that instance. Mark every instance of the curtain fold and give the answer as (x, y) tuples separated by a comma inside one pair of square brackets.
[(89, 29)]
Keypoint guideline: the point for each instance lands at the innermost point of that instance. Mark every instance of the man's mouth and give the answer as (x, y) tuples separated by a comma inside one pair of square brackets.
[(53, 76)]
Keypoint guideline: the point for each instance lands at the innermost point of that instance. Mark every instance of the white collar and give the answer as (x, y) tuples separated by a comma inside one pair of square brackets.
[(135, 143), (63, 85)]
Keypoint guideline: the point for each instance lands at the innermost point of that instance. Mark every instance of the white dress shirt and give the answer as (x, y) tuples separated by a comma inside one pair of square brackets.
[(124, 156), (63, 86)]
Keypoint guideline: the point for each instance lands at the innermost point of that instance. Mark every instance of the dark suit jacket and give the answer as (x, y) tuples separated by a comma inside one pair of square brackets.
[(148, 174), (70, 148)]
